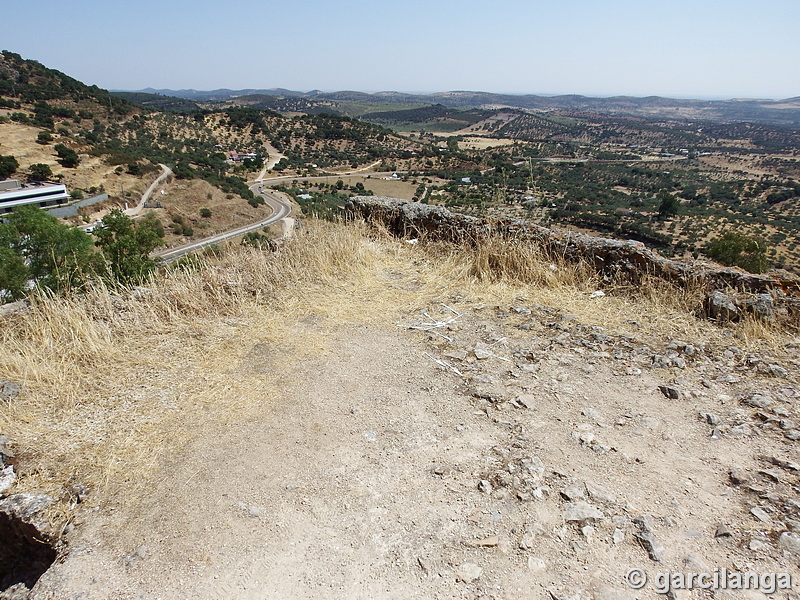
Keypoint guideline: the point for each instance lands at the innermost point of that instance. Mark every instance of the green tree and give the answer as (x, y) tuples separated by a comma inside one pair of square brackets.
[(58, 257), (668, 205), (13, 272), (67, 156), (127, 246), (39, 172), (44, 138), (205, 213), (8, 165), (736, 250)]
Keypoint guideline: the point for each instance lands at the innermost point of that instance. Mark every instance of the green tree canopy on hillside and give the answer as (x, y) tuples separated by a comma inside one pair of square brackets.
[(67, 156), (39, 172), (668, 205), (736, 250), (8, 165)]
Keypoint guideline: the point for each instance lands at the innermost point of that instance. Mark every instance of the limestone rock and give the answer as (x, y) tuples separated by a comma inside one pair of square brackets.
[(9, 390), (790, 541), (7, 478), (468, 572), (649, 542), (720, 307), (582, 511), (24, 506)]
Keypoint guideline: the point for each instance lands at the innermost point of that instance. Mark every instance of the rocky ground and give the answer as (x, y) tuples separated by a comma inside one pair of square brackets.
[(475, 451)]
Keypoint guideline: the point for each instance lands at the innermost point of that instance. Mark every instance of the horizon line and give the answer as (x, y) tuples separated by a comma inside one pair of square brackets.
[(706, 98)]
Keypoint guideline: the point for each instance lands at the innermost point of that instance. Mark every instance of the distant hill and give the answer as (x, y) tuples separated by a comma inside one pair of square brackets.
[(769, 112), (158, 101), (427, 114), (220, 94)]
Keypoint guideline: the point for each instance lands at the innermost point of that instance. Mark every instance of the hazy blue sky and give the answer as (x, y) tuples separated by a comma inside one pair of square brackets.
[(678, 48)]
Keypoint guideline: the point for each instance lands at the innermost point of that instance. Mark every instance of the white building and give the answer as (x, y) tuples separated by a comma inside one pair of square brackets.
[(13, 194)]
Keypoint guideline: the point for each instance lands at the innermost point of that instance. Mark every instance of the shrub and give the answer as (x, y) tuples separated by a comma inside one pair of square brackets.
[(40, 172), (8, 165), (68, 157), (737, 250)]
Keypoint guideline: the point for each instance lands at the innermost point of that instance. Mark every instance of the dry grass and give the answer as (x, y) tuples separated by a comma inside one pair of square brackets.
[(116, 381)]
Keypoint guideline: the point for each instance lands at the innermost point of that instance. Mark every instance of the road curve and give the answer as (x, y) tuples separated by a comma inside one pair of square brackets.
[(280, 210)]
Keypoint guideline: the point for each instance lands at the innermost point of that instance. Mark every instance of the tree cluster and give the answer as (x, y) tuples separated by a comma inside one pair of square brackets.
[(39, 252)]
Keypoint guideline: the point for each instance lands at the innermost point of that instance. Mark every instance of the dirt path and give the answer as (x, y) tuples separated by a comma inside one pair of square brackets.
[(379, 474), (165, 172), (274, 158)]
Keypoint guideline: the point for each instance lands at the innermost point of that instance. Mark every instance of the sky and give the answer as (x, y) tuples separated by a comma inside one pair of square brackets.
[(677, 48)]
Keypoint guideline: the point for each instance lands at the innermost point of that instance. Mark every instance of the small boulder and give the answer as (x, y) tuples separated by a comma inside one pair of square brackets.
[(582, 511), (7, 478), (670, 392), (790, 541), (654, 548), (24, 506), (720, 307), (468, 572), (9, 390), (761, 306)]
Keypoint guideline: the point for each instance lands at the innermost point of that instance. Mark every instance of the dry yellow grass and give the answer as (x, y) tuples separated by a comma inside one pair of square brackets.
[(115, 381)]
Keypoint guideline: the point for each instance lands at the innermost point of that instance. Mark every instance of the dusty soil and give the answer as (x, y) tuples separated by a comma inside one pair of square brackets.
[(377, 472)]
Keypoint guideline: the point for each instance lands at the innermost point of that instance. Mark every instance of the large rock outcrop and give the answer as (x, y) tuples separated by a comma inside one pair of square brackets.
[(621, 260)]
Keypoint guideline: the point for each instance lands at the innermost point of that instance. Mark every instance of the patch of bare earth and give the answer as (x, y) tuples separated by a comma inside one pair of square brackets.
[(414, 433)]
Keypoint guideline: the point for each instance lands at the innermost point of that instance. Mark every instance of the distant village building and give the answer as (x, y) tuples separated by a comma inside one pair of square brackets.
[(235, 157), (13, 194)]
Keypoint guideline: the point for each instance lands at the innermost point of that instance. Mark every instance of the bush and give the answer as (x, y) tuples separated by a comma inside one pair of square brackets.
[(737, 250), (205, 213), (68, 157), (40, 172), (44, 138), (8, 165)]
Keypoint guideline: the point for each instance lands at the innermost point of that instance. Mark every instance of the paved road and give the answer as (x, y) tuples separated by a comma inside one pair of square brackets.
[(280, 210), (288, 178)]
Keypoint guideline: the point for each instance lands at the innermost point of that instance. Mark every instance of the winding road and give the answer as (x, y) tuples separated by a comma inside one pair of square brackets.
[(280, 210)]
